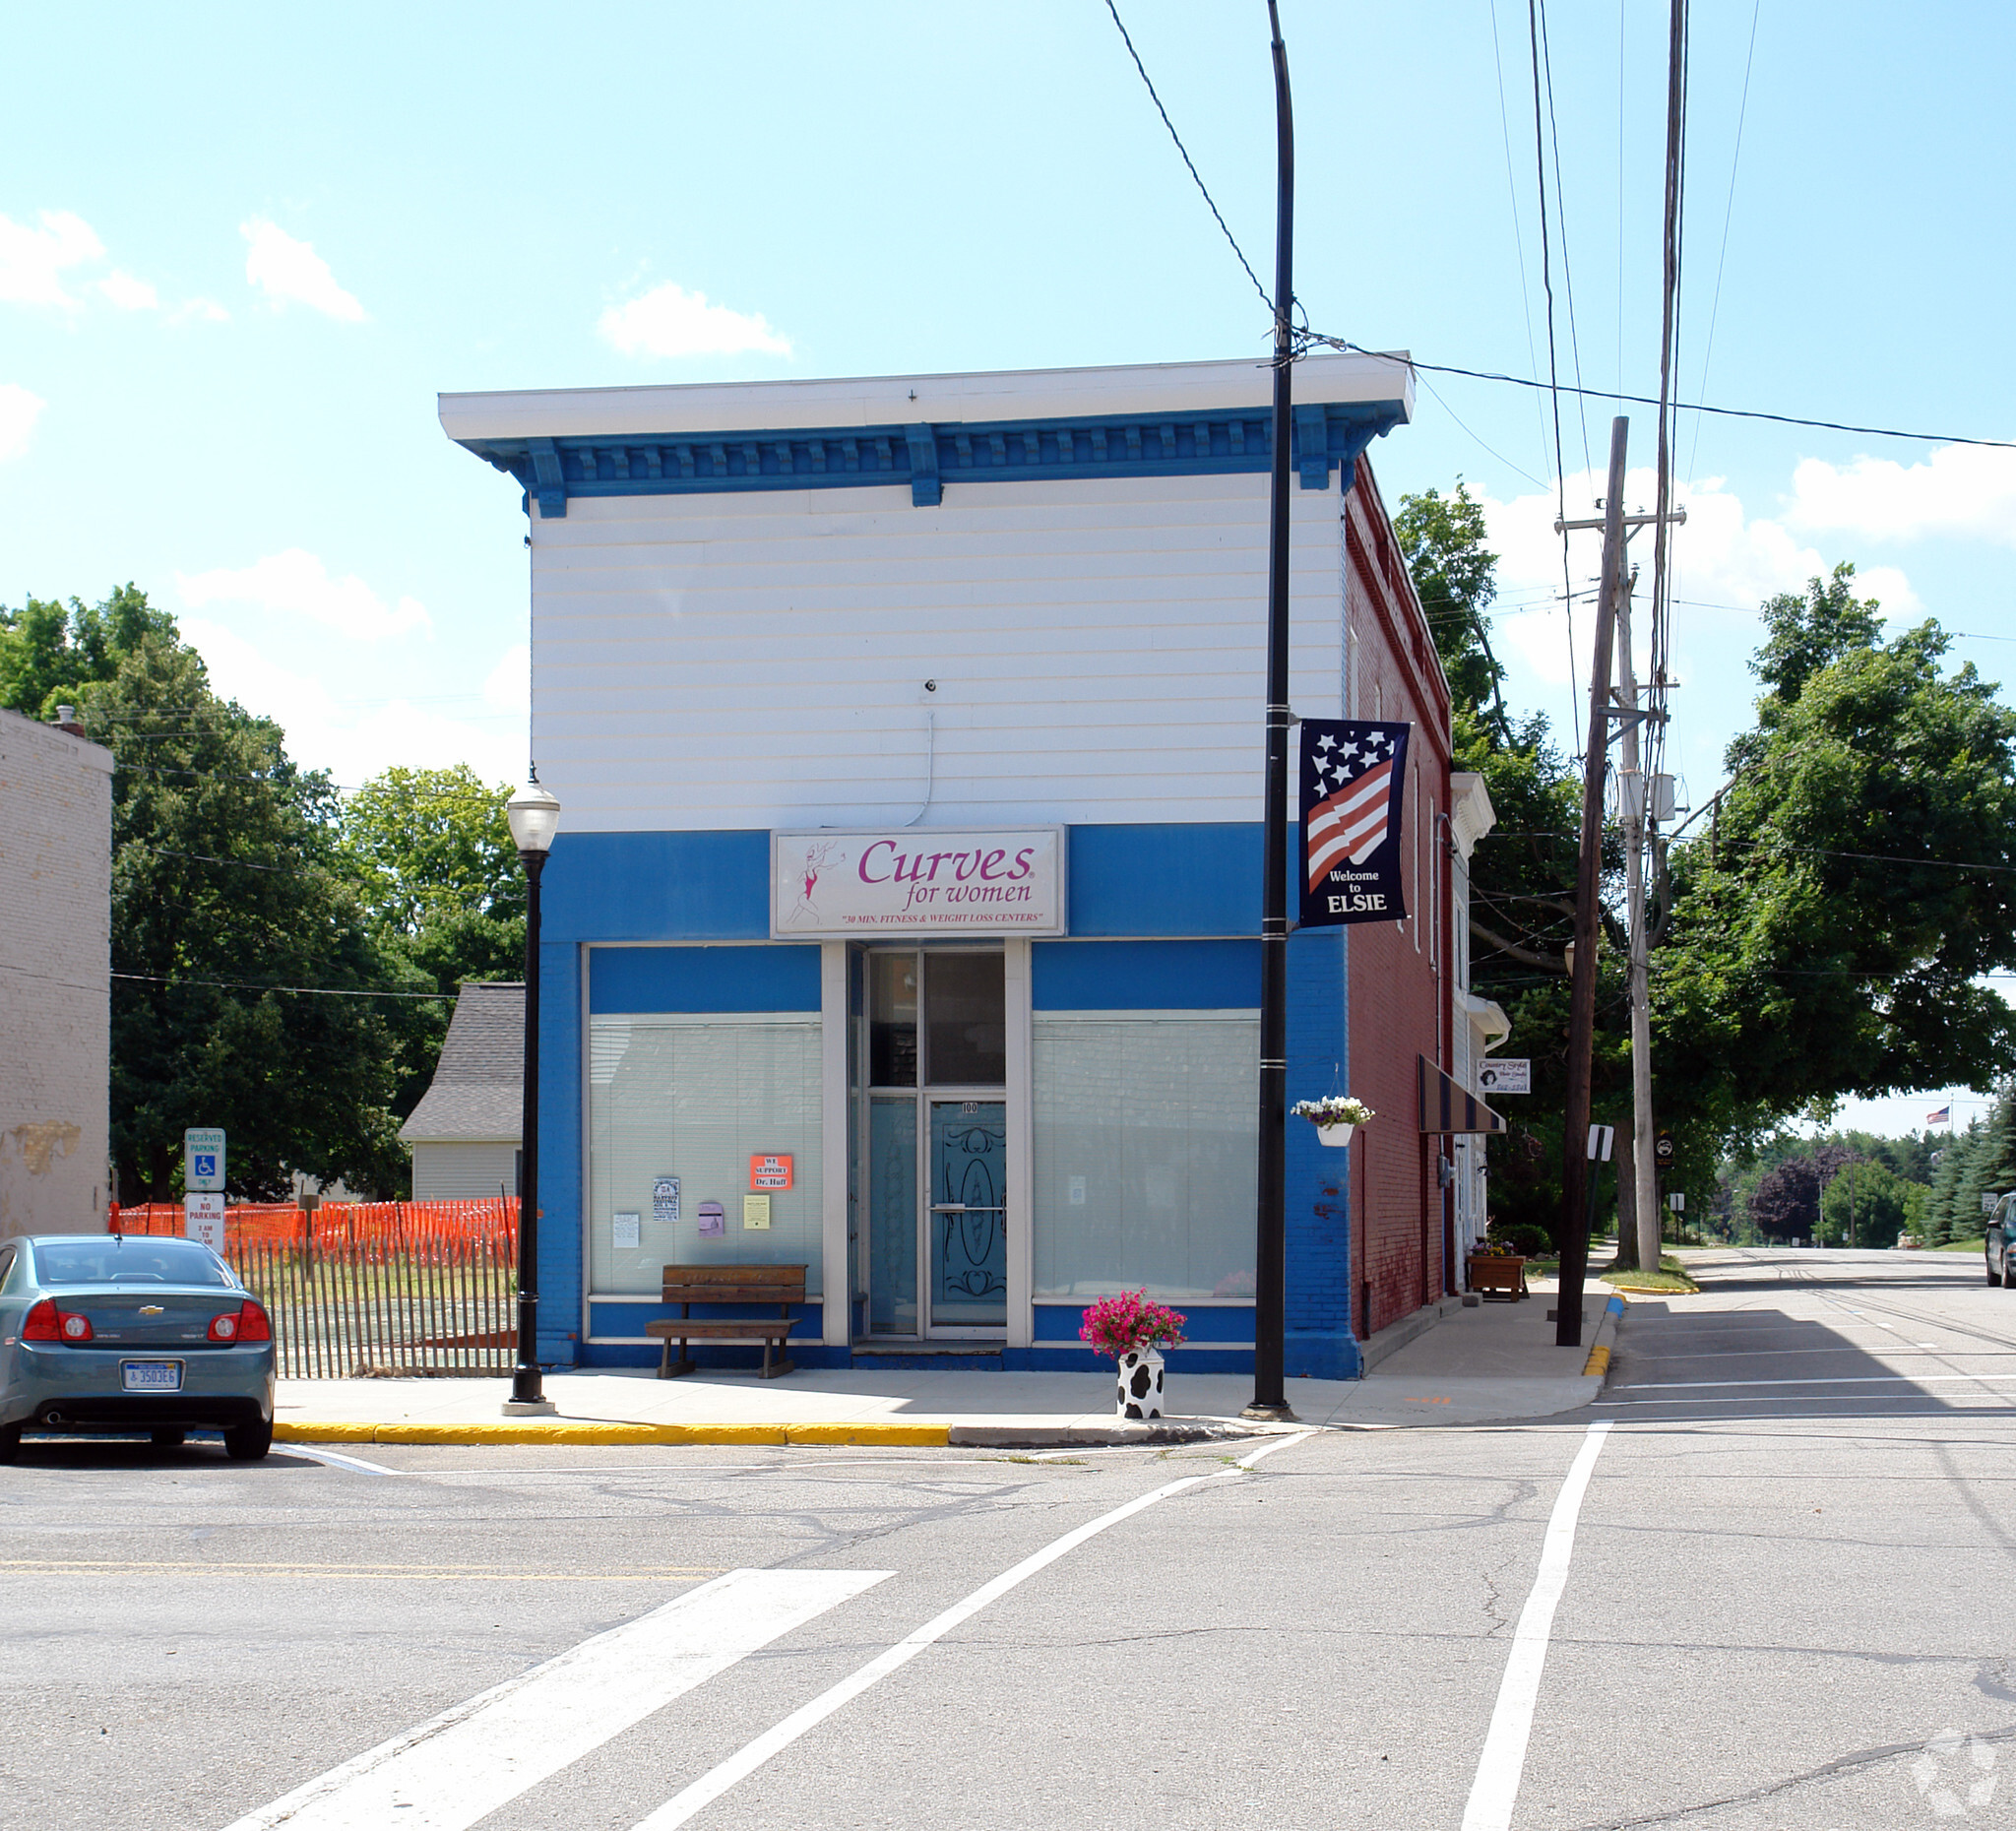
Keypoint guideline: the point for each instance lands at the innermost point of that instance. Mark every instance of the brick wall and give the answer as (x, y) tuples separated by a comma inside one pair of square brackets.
[(1400, 971), (55, 962)]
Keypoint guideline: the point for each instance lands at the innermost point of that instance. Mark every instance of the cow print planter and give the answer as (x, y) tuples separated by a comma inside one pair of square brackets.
[(1139, 1385)]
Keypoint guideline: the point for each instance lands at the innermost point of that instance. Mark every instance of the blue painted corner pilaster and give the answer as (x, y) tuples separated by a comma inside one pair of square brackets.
[(560, 1268), (1319, 1341)]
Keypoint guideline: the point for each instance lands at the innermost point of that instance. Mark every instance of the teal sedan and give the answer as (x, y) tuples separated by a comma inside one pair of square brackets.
[(112, 1334)]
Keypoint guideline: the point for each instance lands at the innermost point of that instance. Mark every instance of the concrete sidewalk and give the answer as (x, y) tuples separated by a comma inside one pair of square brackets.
[(1473, 1365)]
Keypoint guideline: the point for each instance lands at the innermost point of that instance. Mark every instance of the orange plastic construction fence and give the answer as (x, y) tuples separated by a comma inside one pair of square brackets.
[(372, 1226)]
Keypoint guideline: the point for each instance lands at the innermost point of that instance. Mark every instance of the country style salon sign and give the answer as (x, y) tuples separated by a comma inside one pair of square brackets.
[(918, 881)]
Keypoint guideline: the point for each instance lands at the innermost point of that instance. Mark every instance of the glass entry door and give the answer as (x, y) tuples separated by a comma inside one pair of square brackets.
[(933, 1143), (969, 1212)]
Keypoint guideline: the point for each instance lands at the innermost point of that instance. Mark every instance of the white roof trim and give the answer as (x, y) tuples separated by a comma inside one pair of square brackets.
[(907, 400), (1471, 813)]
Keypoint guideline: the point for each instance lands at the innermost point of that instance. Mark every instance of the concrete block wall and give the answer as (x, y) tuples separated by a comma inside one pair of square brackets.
[(55, 966)]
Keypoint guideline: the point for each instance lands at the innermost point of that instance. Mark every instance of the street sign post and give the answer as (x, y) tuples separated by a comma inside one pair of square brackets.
[(202, 1160), (203, 1218), (1506, 1075)]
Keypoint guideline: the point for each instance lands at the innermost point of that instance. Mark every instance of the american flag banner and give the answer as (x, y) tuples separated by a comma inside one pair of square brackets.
[(1354, 778)]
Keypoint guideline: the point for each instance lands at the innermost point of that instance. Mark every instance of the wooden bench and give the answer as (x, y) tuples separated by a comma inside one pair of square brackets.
[(688, 1285), (1491, 1271)]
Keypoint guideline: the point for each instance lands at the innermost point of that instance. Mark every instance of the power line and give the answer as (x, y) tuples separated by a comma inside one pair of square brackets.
[(1187, 160), (1727, 216), (1561, 224), (1647, 400), (315, 991), (1518, 233), (1540, 160)]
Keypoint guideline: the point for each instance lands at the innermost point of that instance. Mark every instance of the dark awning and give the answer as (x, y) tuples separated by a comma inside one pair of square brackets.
[(1446, 1106)]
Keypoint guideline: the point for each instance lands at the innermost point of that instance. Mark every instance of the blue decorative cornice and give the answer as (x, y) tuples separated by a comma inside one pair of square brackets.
[(1328, 438)]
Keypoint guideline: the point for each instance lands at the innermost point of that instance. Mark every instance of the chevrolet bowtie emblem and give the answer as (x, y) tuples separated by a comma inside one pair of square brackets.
[(151, 1309)]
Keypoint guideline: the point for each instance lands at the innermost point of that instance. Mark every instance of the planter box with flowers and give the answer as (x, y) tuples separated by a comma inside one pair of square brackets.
[(1132, 1330), (1335, 1117)]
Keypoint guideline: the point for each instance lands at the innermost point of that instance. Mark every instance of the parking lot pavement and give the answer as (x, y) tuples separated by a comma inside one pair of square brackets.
[(1731, 1597)]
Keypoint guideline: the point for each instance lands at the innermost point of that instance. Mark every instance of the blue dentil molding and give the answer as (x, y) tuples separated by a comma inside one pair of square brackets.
[(1328, 438)]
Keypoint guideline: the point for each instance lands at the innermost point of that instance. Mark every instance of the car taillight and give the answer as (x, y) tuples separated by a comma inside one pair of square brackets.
[(47, 1323), (223, 1328), (253, 1325)]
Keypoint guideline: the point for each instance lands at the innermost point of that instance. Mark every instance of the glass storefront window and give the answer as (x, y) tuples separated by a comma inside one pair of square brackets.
[(1146, 1131), (694, 1097), (965, 1019), (891, 1020)]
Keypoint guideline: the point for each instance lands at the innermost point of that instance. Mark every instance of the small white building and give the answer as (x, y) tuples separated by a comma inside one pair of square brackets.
[(55, 977), (465, 1133)]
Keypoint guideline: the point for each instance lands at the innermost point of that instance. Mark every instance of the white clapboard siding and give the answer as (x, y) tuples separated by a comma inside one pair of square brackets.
[(758, 659), (451, 1172)]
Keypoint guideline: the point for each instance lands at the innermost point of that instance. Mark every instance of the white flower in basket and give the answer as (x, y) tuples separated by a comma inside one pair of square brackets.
[(1335, 1117)]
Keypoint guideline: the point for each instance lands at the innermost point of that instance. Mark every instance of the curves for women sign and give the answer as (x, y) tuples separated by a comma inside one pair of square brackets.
[(918, 881)]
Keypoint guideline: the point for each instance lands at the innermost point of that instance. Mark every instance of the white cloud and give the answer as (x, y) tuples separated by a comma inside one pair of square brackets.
[(285, 269), (1725, 564), (201, 310), (508, 686), (32, 260), (1968, 490), (670, 321), (297, 584), (354, 739), (19, 411), (126, 293)]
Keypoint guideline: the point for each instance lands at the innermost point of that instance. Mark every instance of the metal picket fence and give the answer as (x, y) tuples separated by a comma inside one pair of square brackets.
[(364, 1288)]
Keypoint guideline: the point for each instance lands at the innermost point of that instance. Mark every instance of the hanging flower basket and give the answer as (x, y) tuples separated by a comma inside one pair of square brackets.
[(1131, 1329), (1335, 1117)]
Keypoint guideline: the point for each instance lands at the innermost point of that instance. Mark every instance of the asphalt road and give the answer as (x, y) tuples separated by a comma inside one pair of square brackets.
[(1790, 1573)]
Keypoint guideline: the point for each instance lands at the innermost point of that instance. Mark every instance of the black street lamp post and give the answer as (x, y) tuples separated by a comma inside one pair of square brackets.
[(534, 814)]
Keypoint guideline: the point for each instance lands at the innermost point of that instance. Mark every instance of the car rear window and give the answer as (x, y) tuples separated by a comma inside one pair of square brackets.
[(127, 1261)]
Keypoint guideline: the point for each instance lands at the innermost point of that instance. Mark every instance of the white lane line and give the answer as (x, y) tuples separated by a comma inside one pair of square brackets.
[(1495, 1790), (1842, 1379), (464, 1765), (739, 1766), (337, 1462)]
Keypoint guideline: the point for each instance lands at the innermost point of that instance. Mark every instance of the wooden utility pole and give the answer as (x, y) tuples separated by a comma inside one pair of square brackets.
[(1635, 809), (1575, 1166)]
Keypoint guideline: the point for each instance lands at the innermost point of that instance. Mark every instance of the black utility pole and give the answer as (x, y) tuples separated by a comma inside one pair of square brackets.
[(1270, 1273)]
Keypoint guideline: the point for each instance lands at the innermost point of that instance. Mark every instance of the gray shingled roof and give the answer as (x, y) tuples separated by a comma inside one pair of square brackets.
[(479, 1085)]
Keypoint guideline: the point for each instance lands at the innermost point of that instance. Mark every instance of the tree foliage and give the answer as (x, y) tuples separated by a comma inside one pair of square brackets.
[(1829, 928), (431, 852)]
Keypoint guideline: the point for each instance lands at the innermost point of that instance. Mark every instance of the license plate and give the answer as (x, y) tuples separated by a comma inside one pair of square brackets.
[(151, 1376)]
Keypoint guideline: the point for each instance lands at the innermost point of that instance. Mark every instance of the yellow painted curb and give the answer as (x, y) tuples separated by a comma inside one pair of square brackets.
[(1599, 1359), (929, 1437)]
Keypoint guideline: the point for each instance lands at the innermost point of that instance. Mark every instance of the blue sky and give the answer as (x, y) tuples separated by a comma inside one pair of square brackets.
[(242, 247)]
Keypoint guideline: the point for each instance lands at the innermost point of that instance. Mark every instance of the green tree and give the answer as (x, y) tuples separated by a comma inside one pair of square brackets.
[(1442, 539), (445, 893), (49, 651), (1942, 1217), (247, 990), (1865, 1205), (1830, 929)]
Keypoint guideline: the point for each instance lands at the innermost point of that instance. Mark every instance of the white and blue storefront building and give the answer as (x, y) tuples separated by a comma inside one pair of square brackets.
[(902, 920)]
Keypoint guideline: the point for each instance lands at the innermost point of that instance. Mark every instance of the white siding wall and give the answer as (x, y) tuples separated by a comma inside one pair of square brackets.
[(758, 659), (55, 962), (447, 1173)]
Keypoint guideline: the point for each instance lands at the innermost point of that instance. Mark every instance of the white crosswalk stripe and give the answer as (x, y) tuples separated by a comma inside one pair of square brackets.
[(464, 1765)]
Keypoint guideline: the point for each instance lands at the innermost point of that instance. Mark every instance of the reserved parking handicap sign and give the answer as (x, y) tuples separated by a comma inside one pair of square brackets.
[(202, 1160)]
